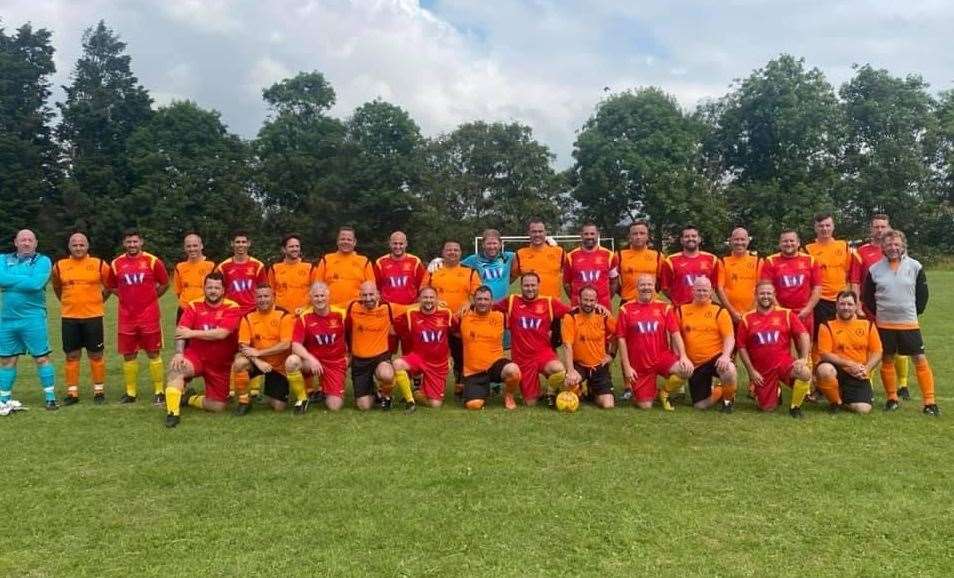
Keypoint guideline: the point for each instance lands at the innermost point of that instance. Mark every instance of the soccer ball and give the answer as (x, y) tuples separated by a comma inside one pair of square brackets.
[(567, 401)]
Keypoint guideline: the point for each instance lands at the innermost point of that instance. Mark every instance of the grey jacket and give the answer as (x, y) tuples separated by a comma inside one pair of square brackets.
[(896, 297)]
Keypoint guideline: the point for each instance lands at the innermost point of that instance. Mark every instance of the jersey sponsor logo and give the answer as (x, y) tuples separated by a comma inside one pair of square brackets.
[(767, 337), (241, 285), (494, 273), (646, 327), (792, 281), (399, 281), (590, 276), (134, 278), (532, 323), (209, 326), (326, 338), (690, 278), (429, 336)]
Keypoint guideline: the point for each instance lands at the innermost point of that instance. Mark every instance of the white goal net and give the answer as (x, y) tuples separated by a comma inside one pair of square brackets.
[(568, 242)]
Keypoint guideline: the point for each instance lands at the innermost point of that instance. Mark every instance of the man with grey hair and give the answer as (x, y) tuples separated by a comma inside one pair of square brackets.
[(318, 348)]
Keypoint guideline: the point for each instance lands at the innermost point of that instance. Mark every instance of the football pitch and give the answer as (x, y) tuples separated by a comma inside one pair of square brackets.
[(108, 491)]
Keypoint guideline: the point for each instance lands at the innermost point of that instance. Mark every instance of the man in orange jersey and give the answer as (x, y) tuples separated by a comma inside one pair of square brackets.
[(426, 327), (529, 319), (264, 342), (344, 270), (680, 270), (650, 345), (205, 347), (796, 276), (588, 349), (707, 332), (291, 277), (738, 273), (896, 290), (454, 284), (636, 260), (139, 279), (80, 283), (369, 323), (765, 337), (481, 331), (319, 349), (543, 258), (242, 273), (398, 274), (850, 350), (834, 258), (591, 264), (189, 275)]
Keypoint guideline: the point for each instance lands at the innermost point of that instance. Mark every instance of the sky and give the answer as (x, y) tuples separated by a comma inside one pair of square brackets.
[(546, 64)]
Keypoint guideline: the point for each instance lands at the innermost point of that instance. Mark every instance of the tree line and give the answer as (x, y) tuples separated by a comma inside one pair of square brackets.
[(780, 145)]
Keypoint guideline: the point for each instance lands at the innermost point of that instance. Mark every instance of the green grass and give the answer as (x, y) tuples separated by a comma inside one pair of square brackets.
[(108, 491)]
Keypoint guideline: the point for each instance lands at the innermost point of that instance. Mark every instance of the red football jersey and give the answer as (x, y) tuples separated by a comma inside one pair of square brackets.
[(399, 280), (679, 272), (768, 337), (529, 323), (225, 315), (866, 256), (241, 279), (427, 332), (322, 335), (646, 328), (794, 278), (134, 280), (584, 268)]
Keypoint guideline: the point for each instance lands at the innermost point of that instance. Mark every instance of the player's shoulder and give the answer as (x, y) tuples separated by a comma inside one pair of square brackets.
[(224, 264), (229, 304)]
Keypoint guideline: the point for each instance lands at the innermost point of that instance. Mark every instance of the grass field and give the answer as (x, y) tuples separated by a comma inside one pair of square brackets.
[(108, 491)]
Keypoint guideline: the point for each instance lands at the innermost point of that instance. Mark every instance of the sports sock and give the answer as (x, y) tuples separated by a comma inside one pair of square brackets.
[(155, 373), (728, 391), (296, 384), (403, 383), (716, 394), (901, 365), (240, 379), (173, 400), (7, 376), (47, 377), (197, 401), (828, 387), (673, 383), (71, 370), (799, 390), (556, 382), (889, 379), (925, 380), (131, 376), (97, 369), (311, 384), (255, 385)]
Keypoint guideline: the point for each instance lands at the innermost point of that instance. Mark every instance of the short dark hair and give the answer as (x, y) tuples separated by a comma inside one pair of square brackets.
[(530, 274), (484, 289), (344, 228), (535, 219), (131, 232), (239, 233), (845, 294), (787, 231), (289, 237), (214, 276), (689, 227), (446, 241), (263, 285), (639, 222), (880, 217), (822, 215)]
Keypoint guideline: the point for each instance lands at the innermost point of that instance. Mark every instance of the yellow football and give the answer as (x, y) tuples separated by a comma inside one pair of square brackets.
[(567, 401)]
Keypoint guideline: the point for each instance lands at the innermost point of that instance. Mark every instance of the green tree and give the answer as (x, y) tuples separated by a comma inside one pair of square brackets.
[(190, 174), (28, 171), (776, 139), (486, 175), (104, 105), (638, 157)]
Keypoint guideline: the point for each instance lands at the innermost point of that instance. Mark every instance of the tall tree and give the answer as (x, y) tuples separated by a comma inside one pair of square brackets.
[(637, 157), (190, 174), (104, 105), (776, 138), (28, 171)]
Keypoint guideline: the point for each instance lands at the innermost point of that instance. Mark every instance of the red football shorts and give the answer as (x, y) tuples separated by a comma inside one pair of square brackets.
[(215, 376), (332, 378), (644, 386), (435, 374), (132, 343), (767, 395), (531, 368)]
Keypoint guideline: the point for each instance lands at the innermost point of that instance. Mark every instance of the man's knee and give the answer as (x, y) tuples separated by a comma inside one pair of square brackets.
[(241, 363), (384, 372), (334, 402), (292, 363), (826, 371)]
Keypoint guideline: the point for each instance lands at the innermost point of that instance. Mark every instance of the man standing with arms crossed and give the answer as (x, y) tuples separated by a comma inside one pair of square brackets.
[(139, 279), (23, 278), (79, 282)]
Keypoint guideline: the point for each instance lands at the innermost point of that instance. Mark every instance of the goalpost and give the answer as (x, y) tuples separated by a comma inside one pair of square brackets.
[(568, 242)]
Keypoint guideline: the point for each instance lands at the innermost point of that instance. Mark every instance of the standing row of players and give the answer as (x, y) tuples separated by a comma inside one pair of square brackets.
[(808, 284)]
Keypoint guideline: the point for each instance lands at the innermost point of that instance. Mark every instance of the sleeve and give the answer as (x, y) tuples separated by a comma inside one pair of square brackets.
[(665, 274), (568, 269), (742, 334), (613, 265), (188, 317), (502, 305), (849, 261), (55, 275), (825, 344), (176, 281), (287, 328), (245, 331), (560, 309), (475, 282), (795, 324), (816, 279), (378, 275), (232, 319), (420, 273), (724, 320), (270, 274), (319, 271), (672, 321), (262, 276), (714, 273), (874, 339), (767, 273), (921, 291), (104, 273), (868, 288), (610, 327), (621, 324), (159, 271), (428, 280), (298, 331), (568, 329), (720, 274), (39, 277), (369, 272), (111, 281), (515, 267), (854, 272)]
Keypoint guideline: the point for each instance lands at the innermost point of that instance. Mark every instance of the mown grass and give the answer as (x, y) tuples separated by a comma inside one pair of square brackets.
[(108, 491)]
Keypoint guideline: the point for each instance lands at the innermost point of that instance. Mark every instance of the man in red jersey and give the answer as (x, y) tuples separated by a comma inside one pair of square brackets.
[(205, 347), (765, 337), (680, 270), (319, 349), (139, 279), (242, 273), (426, 327), (591, 264), (796, 277), (399, 274), (650, 344), (530, 318)]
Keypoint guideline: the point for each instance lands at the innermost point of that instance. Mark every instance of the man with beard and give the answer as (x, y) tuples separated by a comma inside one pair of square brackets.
[(850, 350), (543, 258), (593, 265), (492, 263), (796, 277), (426, 327), (205, 347), (589, 348), (680, 270), (481, 331)]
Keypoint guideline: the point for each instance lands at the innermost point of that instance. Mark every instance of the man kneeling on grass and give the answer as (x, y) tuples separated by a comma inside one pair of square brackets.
[(850, 350), (205, 346)]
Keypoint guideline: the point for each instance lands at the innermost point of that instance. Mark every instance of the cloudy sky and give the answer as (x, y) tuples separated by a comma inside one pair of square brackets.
[(543, 63)]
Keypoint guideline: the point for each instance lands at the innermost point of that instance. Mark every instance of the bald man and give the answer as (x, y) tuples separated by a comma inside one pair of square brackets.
[(737, 274), (188, 277), (23, 277), (80, 283)]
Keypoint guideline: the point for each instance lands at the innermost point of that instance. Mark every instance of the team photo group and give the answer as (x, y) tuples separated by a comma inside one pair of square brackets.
[(817, 318)]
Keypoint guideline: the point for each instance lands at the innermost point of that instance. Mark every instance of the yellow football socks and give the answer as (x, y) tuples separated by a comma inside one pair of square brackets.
[(173, 400), (296, 383), (197, 401), (556, 381), (156, 374), (901, 365), (403, 383), (799, 390), (131, 376)]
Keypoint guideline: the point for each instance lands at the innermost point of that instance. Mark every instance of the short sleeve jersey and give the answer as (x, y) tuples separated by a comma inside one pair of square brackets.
[(188, 279), (482, 336), (704, 329), (400, 279), (738, 276), (768, 336), (225, 315), (794, 278), (594, 268), (134, 279), (679, 272), (322, 335), (588, 334), (529, 323), (633, 263), (454, 285), (81, 282), (368, 329), (854, 340), (834, 260), (344, 273), (241, 279), (428, 332), (265, 330), (547, 262), (646, 328), (291, 282)]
